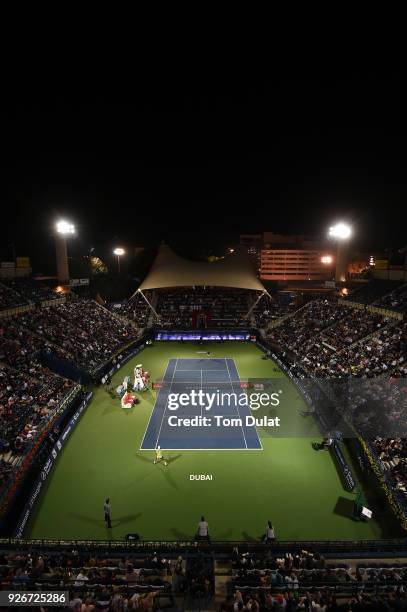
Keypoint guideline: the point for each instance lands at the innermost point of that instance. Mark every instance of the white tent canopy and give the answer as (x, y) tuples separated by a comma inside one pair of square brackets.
[(171, 270)]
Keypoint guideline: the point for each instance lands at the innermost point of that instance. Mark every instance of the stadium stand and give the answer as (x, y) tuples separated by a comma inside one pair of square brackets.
[(77, 330), (323, 339), (221, 308), (335, 340), (268, 310), (135, 310), (395, 300), (9, 298), (31, 291), (267, 580), (372, 291), (122, 582)]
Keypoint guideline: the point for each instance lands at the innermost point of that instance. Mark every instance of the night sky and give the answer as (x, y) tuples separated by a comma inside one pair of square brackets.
[(196, 166)]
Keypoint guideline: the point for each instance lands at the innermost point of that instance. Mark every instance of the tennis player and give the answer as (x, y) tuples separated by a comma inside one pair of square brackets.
[(159, 457)]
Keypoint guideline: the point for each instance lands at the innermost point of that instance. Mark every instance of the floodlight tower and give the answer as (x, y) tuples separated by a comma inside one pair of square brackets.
[(63, 230), (119, 252), (341, 232)]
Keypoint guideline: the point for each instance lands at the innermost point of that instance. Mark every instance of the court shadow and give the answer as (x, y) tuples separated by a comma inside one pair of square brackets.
[(169, 478), (344, 507), (129, 411), (143, 458), (122, 520), (172, 459), (180, 535), (249, 538), (86, 519)]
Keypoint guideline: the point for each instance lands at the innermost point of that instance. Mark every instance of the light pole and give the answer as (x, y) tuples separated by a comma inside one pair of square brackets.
[(327, 261), (341, 232), (119, 252), (63, 229)]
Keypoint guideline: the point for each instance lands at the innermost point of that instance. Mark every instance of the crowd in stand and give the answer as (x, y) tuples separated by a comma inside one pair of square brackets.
[(9, 298), (111, 583), (202, 307), (300, 330), (259, 582), (372, 291), (268, 310), (321, 601), (136, 309), (396, 300), (32, 291), (23, 291), (306, 581), (77, 331), (29, 401), (392, 453), (362, 357), (332, 340)]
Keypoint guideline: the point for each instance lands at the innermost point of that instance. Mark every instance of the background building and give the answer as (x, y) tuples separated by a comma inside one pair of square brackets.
[(289, 258)]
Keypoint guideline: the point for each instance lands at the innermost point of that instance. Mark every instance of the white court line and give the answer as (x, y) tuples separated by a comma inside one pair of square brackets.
[(201, 390), (196, 370), (153, 408), (211, 449), (207, 382), (230, 378), (258, 437), (165, 409)]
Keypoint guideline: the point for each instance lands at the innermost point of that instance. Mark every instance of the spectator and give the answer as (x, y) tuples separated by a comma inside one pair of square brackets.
[(203, 530), (269, 535)]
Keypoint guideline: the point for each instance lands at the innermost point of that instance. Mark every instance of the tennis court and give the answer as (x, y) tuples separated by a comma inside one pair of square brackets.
[(217, 378), (103, 458)]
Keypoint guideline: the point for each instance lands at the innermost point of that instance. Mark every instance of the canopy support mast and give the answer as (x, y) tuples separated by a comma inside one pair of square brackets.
[(255, 303), (150, 305)]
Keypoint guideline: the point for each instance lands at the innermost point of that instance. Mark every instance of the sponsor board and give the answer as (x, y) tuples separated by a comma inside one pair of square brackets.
[(47, 468)]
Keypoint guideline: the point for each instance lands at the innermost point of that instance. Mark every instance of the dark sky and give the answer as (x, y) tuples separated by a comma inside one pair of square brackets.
[(198, 165)]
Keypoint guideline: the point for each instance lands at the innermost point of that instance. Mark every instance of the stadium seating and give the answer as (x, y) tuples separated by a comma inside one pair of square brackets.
[(128, 582), (372, 291), (333, 340), (222, 307), (77, 331), (395, 300), (135, 310), (9, 298), (254, 581), (29, 403), (31, 291), (267, 311)]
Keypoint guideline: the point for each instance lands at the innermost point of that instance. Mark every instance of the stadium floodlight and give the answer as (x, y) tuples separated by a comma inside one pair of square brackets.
[(64, 227), (340, 231), (119, 252)]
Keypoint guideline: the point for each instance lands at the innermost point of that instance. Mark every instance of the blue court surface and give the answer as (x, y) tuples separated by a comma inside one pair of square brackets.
[(225, 427)]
